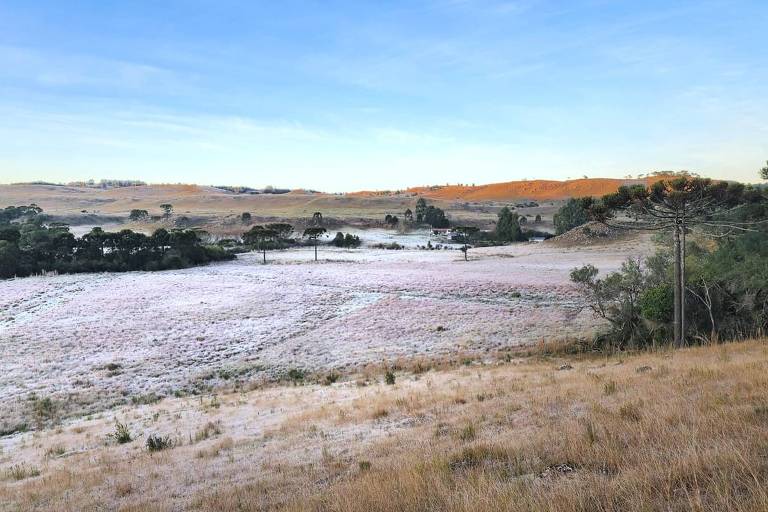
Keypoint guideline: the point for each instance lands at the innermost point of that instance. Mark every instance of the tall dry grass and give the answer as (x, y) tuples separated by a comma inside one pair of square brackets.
[(682, 430)]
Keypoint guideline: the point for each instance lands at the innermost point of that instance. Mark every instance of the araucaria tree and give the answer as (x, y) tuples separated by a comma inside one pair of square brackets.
[(314, 233), (421, 208), (283, 230), (465, 235), (678, 206), (260, 237)]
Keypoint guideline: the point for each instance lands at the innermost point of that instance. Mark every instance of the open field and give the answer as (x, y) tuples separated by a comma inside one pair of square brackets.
[(683, 430), (98, 340)]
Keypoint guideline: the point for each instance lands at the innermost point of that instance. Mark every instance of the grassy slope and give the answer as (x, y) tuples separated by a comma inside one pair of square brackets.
[(541, 190), (211, 201), (685, 430)]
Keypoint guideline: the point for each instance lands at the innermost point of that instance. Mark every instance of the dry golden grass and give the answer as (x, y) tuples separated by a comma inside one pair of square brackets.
[(529, 189), (673, 430)]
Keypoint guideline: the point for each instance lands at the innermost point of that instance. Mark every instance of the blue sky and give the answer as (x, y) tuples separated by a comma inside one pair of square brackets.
[(353, 95)]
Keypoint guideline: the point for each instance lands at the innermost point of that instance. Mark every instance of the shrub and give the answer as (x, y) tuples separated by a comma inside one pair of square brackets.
[(296, 375), (156, 443), (21, 471), (43, 409), (573, 214), (394, 246), (210, 429), (122, 433), (331, 378), (55, 451), (389, 378), (656, 304), (148, 399)]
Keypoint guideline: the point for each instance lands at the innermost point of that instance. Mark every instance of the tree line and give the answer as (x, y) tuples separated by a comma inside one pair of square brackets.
[(29, 246)]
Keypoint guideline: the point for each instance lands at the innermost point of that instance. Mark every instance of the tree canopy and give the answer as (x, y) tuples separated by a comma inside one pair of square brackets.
[(572, 214), (32, 247), (314, 233), (508, 226), (679, 206)]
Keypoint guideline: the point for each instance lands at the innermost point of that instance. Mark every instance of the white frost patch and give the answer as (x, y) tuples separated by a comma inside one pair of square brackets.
[(167, 330)]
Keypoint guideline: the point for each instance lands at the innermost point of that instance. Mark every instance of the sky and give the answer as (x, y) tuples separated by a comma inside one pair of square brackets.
[(351, 95)]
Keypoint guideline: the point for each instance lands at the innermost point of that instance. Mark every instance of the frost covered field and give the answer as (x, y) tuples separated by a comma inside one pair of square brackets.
[(93, 341)]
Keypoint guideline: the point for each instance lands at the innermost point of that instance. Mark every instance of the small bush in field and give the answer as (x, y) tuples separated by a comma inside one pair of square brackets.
[(21, 471), (209, 430), (389, 378), (296, 375), (610, 387), (331, 378), (156, 443), (122, 433), (43, 409), (55, 451)]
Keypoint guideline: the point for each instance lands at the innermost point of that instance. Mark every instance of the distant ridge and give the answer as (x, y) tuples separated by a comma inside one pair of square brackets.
[(530, 189)]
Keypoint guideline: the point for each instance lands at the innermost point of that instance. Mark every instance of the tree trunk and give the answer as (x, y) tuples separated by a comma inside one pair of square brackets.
[(315, 249), (677, 323), (264, 251), (682, 283)]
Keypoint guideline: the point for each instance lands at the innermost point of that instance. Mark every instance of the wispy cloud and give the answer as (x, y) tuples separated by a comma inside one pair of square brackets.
[(52, 69)]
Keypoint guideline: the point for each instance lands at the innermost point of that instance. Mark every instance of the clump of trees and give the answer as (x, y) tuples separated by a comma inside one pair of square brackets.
[(29, 246), (676, 207), (138, 215), (349, 240), (572, 214), (435, 217), (391, 220), (508, 226), (711, 282), (270, 237), (726, 294), (428, 214)]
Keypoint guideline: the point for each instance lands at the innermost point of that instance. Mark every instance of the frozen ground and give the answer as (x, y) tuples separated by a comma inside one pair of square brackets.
[(172, 331)]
